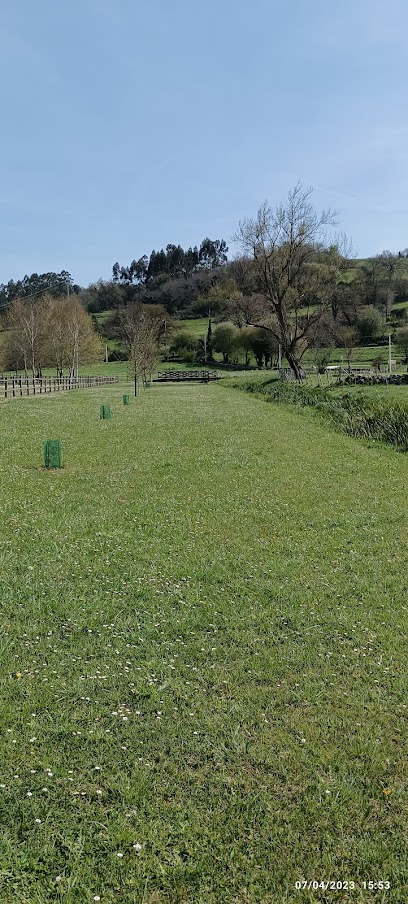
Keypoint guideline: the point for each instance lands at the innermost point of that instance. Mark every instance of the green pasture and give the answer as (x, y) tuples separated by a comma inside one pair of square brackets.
[(387, 392), (196, 327), (203, 670)]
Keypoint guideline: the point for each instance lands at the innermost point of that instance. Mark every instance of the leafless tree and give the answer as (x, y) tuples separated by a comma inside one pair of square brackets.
[(70, 338), (347, 338), (390, 263), (26, 320), (49, 332), (285, 245), (141, 329)]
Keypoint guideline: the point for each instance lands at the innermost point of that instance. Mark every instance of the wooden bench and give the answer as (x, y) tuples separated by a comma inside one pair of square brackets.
[(172, 376)]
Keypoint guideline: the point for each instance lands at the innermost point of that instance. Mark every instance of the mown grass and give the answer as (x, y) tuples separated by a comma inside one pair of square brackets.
[(359, 414), (203, 681)]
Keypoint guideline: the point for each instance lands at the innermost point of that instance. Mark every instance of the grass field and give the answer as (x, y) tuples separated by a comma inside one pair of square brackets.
[(203, 671), (196, 327)]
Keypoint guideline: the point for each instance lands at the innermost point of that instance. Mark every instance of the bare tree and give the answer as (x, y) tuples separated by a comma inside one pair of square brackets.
[(26, 323), (140, 330), (286, 246), (69, 337), (390, 263), (347, 337)]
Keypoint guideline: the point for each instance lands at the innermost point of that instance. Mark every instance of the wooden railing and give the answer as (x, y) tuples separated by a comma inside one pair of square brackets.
[(170, 376), (20, 387)]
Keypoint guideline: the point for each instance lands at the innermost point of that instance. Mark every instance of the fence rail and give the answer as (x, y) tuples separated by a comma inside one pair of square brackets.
[(21, 387), (170, 376)]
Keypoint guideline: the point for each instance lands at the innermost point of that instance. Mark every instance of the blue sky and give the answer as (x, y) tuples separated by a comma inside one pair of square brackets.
[(129, 124)]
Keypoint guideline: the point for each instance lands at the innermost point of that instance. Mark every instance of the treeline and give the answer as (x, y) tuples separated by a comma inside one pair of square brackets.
[(358, 296), (289, 290), (58, 285), (172, 277)]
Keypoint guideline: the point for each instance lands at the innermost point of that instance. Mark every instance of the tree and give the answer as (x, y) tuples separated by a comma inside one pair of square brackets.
[(103, 296), (401, 340), (184, 346), (346, 300), (264, 346), (69, 337), (172, 263), (370, 324), (212, 253), (209, 340), (26, 322), (50, 332), (390, 263), (284, 244), (347, 337), (224, 340), (141, 328), (59, 285), (136, 272)]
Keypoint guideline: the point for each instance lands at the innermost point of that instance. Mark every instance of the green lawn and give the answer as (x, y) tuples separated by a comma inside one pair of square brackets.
[(203, 672)]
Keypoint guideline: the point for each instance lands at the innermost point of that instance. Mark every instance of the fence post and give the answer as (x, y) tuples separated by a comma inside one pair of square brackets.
[(5, 388)]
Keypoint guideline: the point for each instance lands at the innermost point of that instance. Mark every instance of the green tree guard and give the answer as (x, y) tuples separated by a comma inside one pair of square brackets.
[(126, 400), (105, 413), (52, 453)]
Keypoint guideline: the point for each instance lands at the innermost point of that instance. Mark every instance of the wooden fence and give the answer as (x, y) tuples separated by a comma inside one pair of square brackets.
[(20, 387), (170, 376)]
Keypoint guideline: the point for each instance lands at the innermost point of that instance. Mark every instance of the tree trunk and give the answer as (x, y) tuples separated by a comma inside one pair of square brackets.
[(295, 364)]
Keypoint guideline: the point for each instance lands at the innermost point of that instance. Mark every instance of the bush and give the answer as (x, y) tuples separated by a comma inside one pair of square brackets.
[(184, 347)]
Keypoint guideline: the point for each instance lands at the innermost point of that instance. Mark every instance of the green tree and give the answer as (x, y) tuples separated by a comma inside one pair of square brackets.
[(264, 346), (244, 342), (183, 346), (224, 340), (212, 254), (59, 285), (370, 324), (209, 340)]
